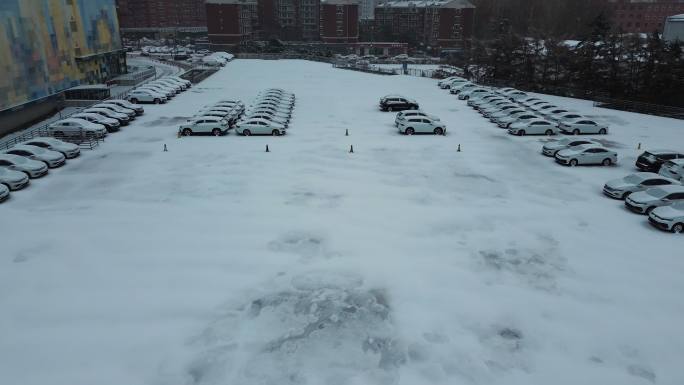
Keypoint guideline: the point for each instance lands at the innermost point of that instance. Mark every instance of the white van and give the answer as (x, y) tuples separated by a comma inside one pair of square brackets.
[(673, 169)]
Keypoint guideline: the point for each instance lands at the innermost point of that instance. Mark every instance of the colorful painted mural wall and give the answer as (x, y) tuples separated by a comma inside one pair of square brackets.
[(49, 45)]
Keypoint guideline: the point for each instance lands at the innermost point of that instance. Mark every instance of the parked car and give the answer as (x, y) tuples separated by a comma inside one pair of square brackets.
[(455, 83), (514, 118), (495, 117), (566, 116), (538, 103), (12, 179), (4, 193), (446, 82), (462, 87), (533, 127), (641, 181), (398, 103), (113, 107), (551, 148), (517, 95), (673, 169), (169, 93), (272, 107), (104, 112), (112, 125), (257, 126), (652, 160), (51, 158), (498, 109), (146, 96), (542, 106), (529, 100), (494, 106), (269, 112), (170, 84), (644, 202), (76, 127), (583, 126), (181, 80), (205, 125), (271, 118), (403, 115), (466, 94), (139, 110), (421, 125), (487, 101), (69, 150), (554, 112), (586, 154), (32, 168), (668, 218)]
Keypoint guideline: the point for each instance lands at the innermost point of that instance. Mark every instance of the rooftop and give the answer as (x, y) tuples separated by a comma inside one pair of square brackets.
[(456, 4)]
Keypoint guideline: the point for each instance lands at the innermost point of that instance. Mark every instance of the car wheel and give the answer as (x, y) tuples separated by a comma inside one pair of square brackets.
[(548, 133), (410, 131), (156, 101), (521, 133), (678, 228), (246, 133), (414, 107), (390, 109), (187, 132), (575, 131), (648, 210), (625, 195), (602, 131), (216, 132), (439, 131), (573, 162), (134, 101), (275, 133), (606, 162)]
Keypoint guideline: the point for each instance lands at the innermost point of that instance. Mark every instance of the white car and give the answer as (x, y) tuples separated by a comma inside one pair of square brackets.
[(538, 103), (205, 125), (499, 108), (476, 98), (169, 93), (668, 218), (52, 159), (517, 95), (69, 150), (644, 202), (4, 193), (273, 98), (269, 112), (466, 94), (494, 106), (586, 154), (126, 104), (110, 124), (487, 101), (461, 87), (568, 116), (180, 80), (506, 122), (14, 180), (275, 103), (583, 126), (275, 109), (184, 86), (623, 187), (421, 125), (529, 100), (107, 113), (113, 107), (533, 127), (257, 126), (505, 90), (551, 148), (32, 168), (555, 112), (495, 117), (403, 115), (544, 108), (446, 82), (76, 127), (271, 118), (673, 169), (168, 83), (278, 94), (147, 96)]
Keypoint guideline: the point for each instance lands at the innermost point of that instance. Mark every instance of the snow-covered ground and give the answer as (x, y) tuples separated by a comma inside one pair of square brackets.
[(406, 262)]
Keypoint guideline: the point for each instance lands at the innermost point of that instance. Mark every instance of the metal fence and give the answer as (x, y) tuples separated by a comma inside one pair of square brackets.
[(136, 77), (82, 139), (279, 56), (367, 69)]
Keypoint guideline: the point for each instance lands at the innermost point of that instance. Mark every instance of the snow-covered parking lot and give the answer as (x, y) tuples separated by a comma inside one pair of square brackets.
[(406, 262)]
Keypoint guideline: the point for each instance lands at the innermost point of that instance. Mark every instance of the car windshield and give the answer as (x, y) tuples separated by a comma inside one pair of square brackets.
[(656, 192)]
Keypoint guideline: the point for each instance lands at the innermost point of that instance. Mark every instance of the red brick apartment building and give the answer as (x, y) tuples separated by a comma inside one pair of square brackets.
[(643, 16), (230, 22), (340, 21), (151, 14)]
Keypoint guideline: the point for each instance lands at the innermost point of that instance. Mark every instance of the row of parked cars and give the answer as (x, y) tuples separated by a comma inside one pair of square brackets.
[(158, 91), (269, 114), (97, 120), (32, 159), (520, 112), (657, 190)]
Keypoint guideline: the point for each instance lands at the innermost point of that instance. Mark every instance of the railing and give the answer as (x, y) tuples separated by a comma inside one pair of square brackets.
[(367, 69), (639, 107), (82, 139), (278, 56), (136, 77)]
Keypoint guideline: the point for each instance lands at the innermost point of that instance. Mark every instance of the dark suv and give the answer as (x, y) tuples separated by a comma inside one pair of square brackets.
[(397, 103), (652, 160)]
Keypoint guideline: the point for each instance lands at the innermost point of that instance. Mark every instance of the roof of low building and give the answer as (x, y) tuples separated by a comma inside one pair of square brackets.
[(456, 4)]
